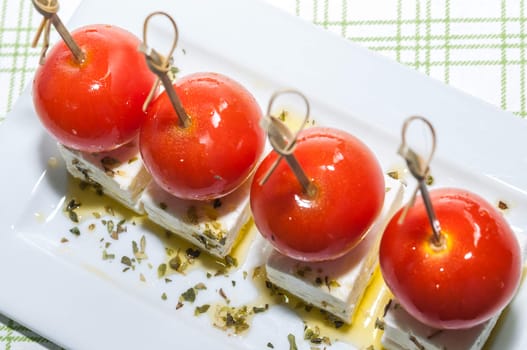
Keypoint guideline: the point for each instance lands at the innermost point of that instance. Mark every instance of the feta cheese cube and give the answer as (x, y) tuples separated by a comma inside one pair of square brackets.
[(120, 172), (212, 225)]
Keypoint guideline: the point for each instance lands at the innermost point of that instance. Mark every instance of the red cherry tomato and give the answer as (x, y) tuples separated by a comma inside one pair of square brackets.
[(217, 152), (463, 284), (95, 105), (350, 196)]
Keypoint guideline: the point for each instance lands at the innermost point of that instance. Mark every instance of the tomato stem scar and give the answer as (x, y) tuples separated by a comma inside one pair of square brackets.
[(49, 10), (283, 142), (160, 66), (420, 169)]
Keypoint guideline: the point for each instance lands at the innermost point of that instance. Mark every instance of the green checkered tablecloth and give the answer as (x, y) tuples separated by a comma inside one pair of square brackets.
[(476, 46)]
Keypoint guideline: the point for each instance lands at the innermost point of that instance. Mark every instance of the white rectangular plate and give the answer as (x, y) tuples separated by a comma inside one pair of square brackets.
[(69, 294)]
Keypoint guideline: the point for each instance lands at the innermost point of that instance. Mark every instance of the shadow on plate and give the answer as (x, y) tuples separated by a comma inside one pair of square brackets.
[(50, 159)]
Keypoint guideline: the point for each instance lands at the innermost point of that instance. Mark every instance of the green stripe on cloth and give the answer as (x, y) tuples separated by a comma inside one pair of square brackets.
[(522, 58), (503, 56), (458, 42), (17, 59), (15, 336)]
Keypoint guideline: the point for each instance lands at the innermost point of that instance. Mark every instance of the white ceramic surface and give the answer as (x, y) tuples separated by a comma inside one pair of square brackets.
[(67, 293)]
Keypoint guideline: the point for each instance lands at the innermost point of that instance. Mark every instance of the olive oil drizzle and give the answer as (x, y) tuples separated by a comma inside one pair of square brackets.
[(90, 204)]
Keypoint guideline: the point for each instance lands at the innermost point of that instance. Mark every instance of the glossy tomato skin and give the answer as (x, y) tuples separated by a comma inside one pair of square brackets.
[(217, 152), (469, 281), (350, 196), (95, 105)]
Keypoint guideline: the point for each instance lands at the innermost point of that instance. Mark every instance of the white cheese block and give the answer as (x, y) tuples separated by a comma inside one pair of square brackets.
[(212, 225), (120, 172), (402, 331), (337, 286)]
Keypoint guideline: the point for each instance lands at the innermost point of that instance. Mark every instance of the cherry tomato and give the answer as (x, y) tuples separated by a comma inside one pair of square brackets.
[(466, 281), (349, 197), (217, 152), (95, 105)]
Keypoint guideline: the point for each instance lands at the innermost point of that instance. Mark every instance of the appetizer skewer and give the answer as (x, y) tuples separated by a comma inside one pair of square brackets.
[(325, 224), (200, 141), (452, 262)]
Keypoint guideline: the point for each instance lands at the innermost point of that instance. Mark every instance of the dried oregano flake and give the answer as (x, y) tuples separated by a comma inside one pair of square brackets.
[(221, 292), (502, 205), (394, 174), (314, 337), (429, 180), (234, 318), (126, 260), (201, 309), (230, 261), (200, 286), (175, 263), (161, 270), (283, 115), (139, 251), (193, 253), (107, 256), (292, 342), (109, 161), (189, 295), (259, 309), (70, 209)]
